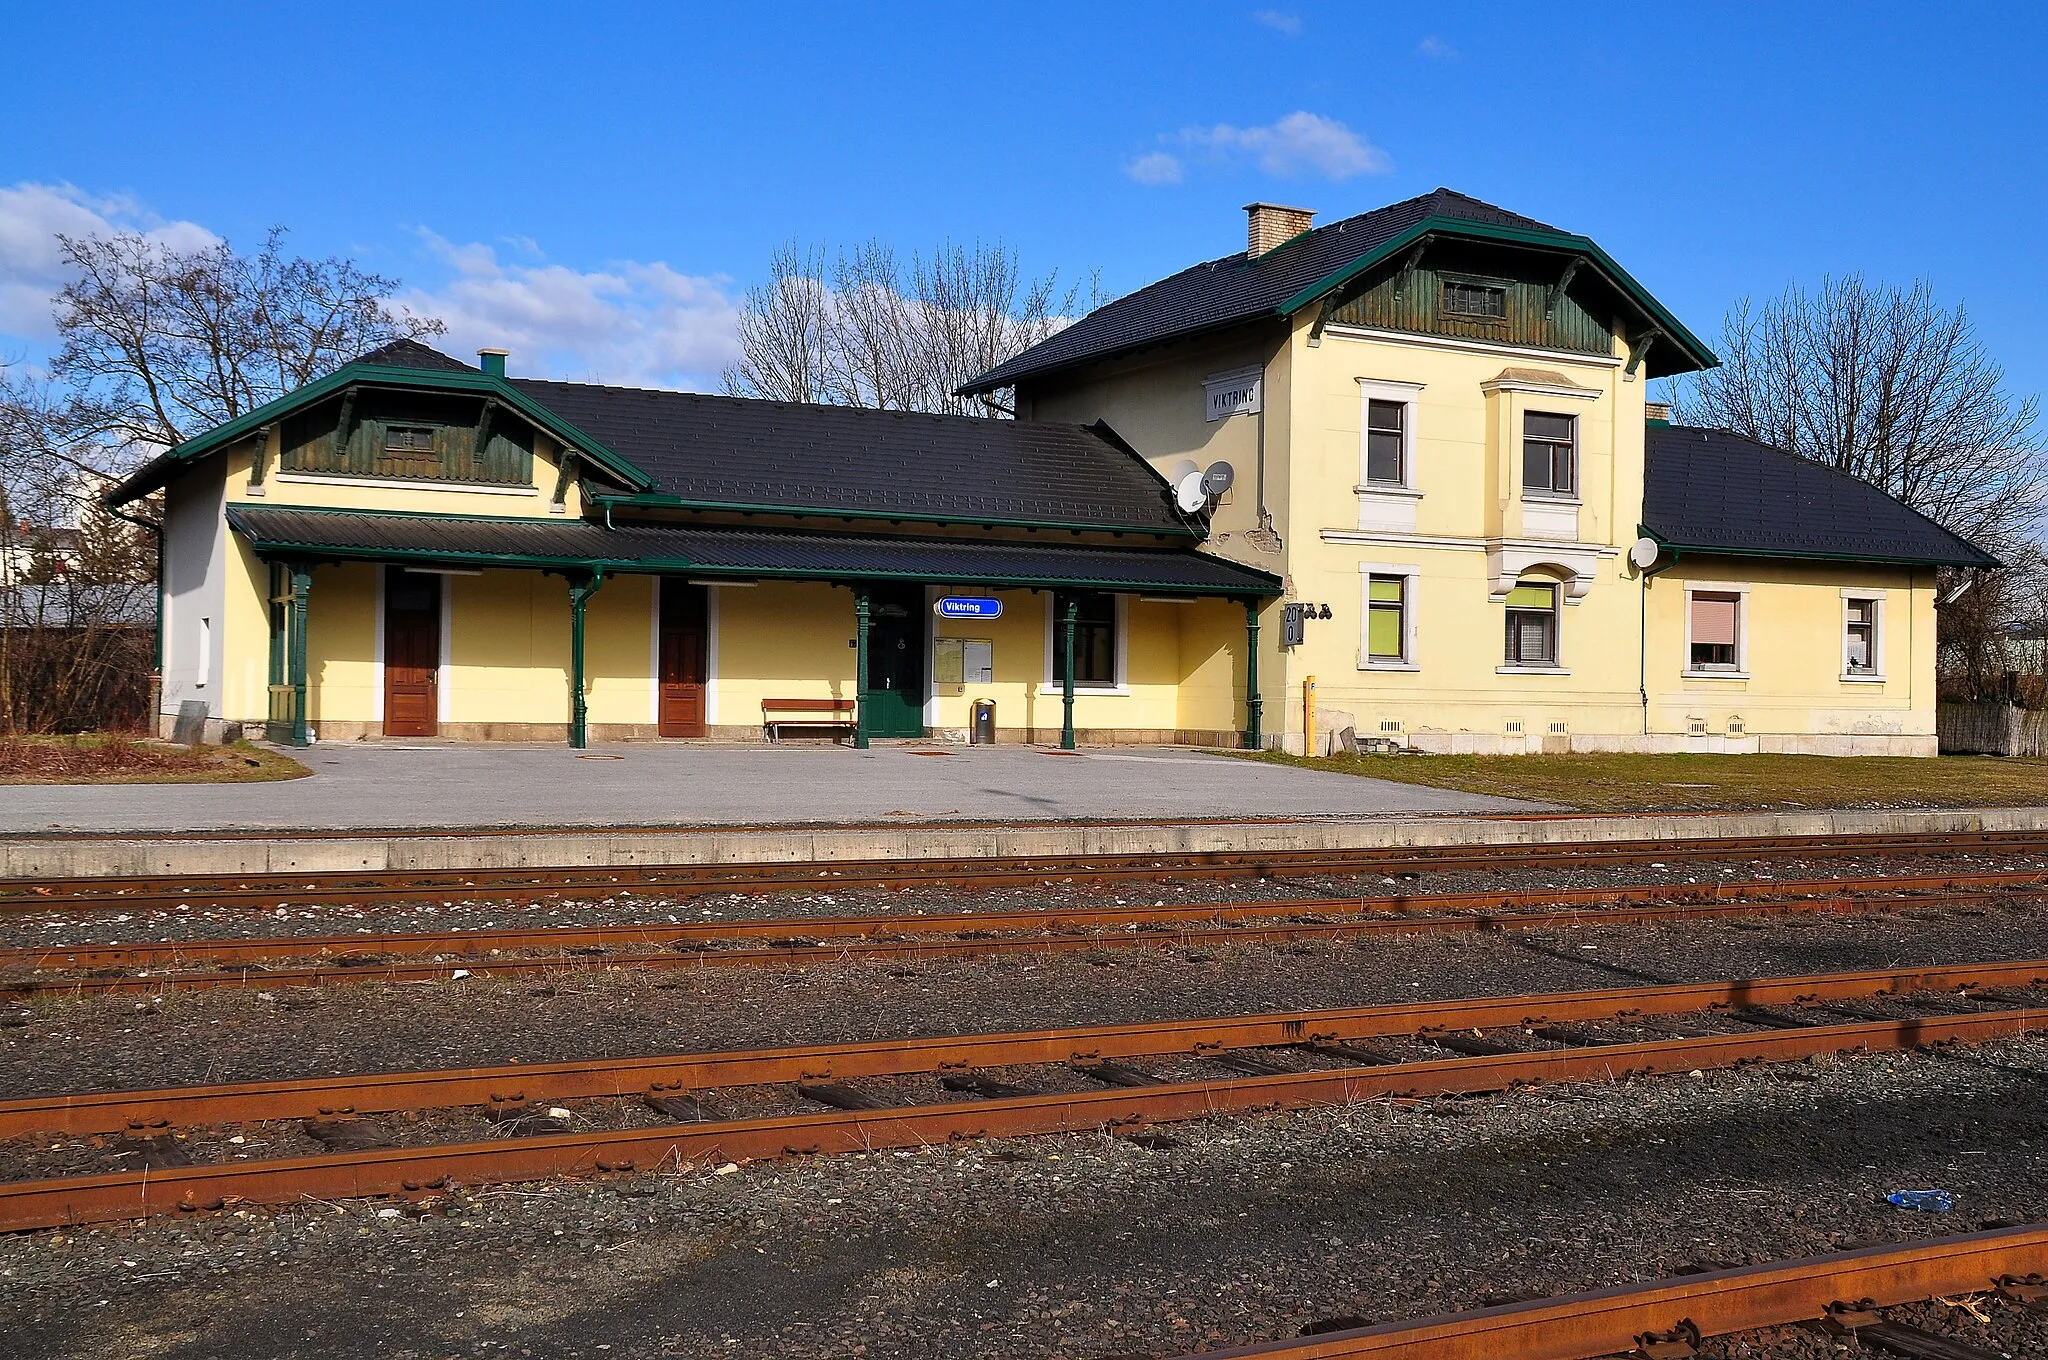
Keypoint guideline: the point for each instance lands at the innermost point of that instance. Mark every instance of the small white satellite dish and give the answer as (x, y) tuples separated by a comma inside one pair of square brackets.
[(1643, 553), (1188, 493), (1219, 478), (1182, 469)]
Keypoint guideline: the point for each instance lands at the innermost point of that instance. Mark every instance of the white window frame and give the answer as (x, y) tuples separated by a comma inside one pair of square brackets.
[(1411, 591), (1051, 686), (1876, 675), (1739, 589), (1408, 396)]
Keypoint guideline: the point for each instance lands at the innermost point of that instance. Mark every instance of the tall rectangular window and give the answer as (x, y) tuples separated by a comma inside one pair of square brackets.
[(1386, 618), (1715, 618), (1859, 637), (1385, 439), (1532, 625), (1549, 454), (1094, 639)]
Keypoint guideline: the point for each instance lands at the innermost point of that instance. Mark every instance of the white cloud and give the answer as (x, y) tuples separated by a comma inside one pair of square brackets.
[(1155, 168), (32, 266), (630, 324), (1280, 21), (1299, 144), (1436, 47)]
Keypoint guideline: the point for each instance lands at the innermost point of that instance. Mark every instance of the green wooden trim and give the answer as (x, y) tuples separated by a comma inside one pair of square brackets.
[(661, 500), (1695, 350), (156, 472)]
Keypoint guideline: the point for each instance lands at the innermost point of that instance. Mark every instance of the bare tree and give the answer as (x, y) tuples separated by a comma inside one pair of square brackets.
[(160, 344), (864, 330), (1887, 385)]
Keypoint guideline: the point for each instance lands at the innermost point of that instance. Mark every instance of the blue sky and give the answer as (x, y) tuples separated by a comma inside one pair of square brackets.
[(595, 185)]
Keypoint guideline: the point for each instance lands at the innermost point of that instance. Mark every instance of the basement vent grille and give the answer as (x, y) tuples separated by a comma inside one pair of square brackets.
[(1513, 727), (1390, 724), (1558, 729), (1736, 727), (1696, 726)]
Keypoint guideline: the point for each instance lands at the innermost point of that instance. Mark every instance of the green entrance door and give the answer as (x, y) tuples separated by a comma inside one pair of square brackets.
[(892, 692)]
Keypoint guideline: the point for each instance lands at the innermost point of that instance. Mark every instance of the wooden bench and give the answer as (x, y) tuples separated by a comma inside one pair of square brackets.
[(836, 715)]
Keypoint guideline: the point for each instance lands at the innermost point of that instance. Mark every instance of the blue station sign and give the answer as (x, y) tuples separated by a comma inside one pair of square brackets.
[(968, 607)]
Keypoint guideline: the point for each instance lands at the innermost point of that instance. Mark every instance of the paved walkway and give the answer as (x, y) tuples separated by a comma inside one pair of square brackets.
[(389, 786)]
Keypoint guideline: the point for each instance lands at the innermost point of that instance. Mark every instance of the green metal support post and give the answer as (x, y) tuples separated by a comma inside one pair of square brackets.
[(1068, 616), (302, 585), (580, 592), (1254, 705), (860, 668)]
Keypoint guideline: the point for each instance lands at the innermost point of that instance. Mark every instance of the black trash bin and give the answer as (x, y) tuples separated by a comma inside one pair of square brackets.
[(984, 733)]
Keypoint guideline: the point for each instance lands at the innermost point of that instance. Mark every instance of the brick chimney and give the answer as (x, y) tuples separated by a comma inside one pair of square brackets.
[(1272, 224)]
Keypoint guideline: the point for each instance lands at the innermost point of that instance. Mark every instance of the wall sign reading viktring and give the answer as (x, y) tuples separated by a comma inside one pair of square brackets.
[(967, 607), (1236, 393)]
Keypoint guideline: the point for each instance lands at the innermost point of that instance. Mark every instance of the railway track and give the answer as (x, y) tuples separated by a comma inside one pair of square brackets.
[(270, 890), (1667, 1318), (437, 955), (912, 1093)]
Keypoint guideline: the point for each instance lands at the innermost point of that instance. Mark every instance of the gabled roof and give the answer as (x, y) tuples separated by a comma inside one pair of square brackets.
[(401, 363), (1718, 492), (735, 553), (1237, 289), (738, 453)]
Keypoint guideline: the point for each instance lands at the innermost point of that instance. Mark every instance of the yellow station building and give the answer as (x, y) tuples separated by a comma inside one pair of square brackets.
[(1394, 477)]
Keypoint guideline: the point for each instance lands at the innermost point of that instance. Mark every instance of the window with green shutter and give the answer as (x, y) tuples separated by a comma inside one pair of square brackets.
[(1532, 625), (1386, 621)]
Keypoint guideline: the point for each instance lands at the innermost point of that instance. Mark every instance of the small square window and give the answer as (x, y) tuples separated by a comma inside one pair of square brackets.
[(1386, 621), (1549, 454), (1859, 637), (1532, 625), (412, 440), (1475, 300), (1386, 428), (1715, 620)]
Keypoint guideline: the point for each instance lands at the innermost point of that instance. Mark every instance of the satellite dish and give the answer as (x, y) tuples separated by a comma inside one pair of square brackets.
[(1188, 493), (1643, 553), (1182, 469), (1219, 478)]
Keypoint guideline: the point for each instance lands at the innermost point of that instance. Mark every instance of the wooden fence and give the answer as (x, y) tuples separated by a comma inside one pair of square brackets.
[(1996, 729)]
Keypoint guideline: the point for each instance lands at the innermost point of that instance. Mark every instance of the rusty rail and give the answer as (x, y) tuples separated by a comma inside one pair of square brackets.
[(847, 939), (270, 890), (412, 1170), (1716, 1303)]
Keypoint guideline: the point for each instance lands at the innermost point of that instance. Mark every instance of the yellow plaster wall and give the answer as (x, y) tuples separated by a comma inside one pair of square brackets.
[(1793, 616), (341, 644), (1019, 641), (507, 658), (1212, 666), (245, 645), (780, 640), (618, 647)]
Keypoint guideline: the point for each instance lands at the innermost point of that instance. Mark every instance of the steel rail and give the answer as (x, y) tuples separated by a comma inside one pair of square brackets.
[(1823, 894), (967, 944), (269, 890), (248, 1102), (415, 1170), (1616, 1320)]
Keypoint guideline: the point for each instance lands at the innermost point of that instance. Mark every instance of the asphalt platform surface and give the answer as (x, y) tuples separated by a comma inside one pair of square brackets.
[(393, 785)]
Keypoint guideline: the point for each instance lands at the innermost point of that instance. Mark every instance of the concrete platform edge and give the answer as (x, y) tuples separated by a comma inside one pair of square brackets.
[(152, 855)]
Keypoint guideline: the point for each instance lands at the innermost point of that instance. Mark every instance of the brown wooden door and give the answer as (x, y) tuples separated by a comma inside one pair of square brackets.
[(412, 653), (682, 653)]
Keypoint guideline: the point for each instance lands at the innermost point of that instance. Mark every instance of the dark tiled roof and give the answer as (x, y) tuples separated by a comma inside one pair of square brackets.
[(735, 451), (740, 552), (1715, 490), (1237, 288), (412, 354)]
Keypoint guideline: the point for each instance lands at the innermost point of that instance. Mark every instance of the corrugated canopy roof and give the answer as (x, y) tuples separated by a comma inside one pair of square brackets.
[(740, 553), (1713, 490)]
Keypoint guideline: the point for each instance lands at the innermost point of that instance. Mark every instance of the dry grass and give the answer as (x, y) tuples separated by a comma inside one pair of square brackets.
[(1704, 783), (112, 758)]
